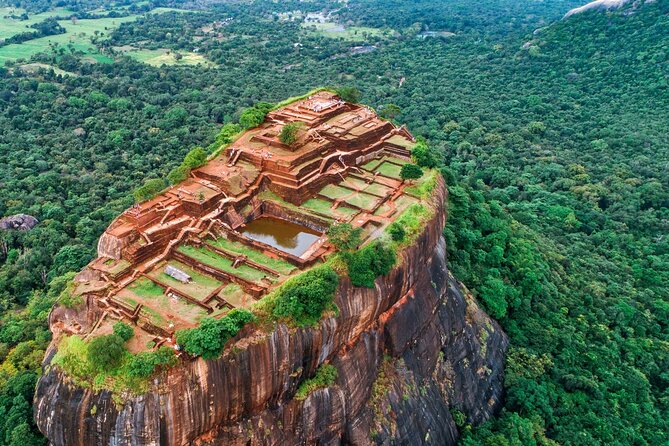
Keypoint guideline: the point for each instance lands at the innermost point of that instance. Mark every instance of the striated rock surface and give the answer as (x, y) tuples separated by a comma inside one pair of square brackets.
[(598, 5), (409, 354)]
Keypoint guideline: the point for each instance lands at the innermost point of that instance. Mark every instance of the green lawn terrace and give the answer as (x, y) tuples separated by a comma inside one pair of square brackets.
[(251, 217), (159, 304), (223, 274), (229, 270)]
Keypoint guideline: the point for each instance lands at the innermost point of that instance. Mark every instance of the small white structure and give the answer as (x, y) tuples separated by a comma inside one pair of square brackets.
[(177, 274)]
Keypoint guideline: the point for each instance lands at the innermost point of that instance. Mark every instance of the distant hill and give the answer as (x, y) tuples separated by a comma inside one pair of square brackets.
[(600, 5)]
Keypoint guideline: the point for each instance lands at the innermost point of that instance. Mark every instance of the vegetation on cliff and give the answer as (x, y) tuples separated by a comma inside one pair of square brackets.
[(325, 376), (210, 337), (302, 299), (104, 362)]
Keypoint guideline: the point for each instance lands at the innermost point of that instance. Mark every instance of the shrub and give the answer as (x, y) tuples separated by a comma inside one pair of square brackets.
[(240, 317), (123, 331), (178, 174), (397, 232), (325, 377), (144, 364), (348, 94), (251, 117), (106, 352), (365, 265), (411, 172), (289, 133), (344, 237), (195, 158), (227, 133), (412, 220), (459, 417), (254, 116), (305, 297), (66, 297), (210, 337), (149, 189), (423, 155)]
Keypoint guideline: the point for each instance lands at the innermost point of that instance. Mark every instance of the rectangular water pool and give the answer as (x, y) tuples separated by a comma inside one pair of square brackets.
[(286, 236)]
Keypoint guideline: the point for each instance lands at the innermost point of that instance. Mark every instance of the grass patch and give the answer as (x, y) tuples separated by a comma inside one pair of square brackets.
[(401, 141), (372, 165), (324, 207), (335, 192), (234, 295), (268, 195), (158, 307), (351, 33), (362, 200), (145, 288), (198, 288), (423, 187), (78, 35), (382, 209), (403, 202), (396, 160), (72, 358), (354, 183), (281, 266), (164, 56), (378, 189), (34, 68), (10, 27), (319, 205), (389, 170), (153, 316), (224, 264), (118, 266)]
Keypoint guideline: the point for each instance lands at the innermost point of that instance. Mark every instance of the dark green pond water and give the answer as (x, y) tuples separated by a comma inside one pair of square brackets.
[(281, 234)]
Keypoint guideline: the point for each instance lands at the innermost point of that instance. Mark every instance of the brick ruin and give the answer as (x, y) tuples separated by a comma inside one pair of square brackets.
[(344, 166)]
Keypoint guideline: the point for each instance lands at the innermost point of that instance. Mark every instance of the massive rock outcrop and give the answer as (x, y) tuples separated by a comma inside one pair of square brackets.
[(410, 353), (19, 222), (602, 5)]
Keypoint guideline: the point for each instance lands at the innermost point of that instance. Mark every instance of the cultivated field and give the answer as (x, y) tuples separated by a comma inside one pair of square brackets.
[(78, 34), (164, 56), (351, 33)]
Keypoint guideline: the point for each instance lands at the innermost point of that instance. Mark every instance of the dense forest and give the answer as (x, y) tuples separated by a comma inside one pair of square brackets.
[(553, 137)]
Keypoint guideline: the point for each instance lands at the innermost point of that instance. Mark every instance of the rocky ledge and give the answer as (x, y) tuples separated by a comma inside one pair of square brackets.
[(413, 355)]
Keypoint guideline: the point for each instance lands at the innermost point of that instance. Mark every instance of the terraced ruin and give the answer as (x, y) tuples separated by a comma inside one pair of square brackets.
[(247, 220)]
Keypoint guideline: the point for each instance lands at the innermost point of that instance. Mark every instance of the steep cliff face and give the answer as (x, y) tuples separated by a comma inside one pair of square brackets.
[(410, 353)]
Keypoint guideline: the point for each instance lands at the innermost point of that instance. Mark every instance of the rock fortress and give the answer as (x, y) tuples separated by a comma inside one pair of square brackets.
[(407, 352)]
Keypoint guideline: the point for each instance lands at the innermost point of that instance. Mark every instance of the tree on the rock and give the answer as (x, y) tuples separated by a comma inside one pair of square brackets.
[(411, 172), (106, 352), (195, 158), (349, 94)]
